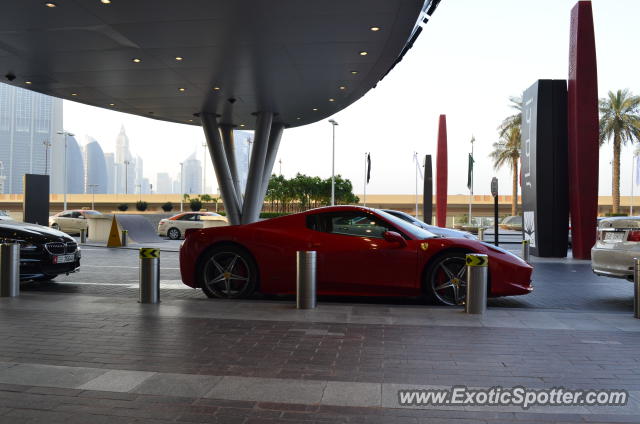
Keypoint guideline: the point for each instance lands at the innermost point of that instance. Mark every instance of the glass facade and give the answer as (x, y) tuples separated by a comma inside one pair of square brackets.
[(28, 124)]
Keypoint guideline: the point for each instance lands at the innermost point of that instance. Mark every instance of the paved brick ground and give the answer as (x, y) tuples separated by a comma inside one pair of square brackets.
[(90, 323)]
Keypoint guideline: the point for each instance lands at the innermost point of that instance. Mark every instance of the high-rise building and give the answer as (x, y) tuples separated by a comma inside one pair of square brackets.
[(177, 188), (192, 175), (109, 159), (243, 142), (138, 183), (29, 123), (164, 184), (75, 167), (125, 174), (95, 168)]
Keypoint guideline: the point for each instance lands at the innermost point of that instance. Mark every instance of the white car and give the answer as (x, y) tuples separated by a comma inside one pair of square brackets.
[(71, 222), (617, 244), (175, 226)]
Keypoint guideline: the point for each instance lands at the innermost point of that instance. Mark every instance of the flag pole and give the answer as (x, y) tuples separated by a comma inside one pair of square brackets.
[(634, 175), (415, 158), (471, 187), (365, 180)]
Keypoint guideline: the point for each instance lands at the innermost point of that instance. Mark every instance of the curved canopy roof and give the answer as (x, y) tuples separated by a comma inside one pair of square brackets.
[(301, 59)]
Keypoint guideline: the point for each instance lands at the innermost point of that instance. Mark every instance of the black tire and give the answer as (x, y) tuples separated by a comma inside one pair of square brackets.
[(55, 226), (173, 233), (219, 265), (446, 279)]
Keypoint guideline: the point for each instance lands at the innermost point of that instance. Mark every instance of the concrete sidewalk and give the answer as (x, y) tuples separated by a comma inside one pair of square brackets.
[(67, 357)]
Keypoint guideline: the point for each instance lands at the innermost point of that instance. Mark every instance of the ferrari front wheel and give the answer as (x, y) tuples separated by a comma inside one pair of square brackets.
[(228, 272), (447, 279)]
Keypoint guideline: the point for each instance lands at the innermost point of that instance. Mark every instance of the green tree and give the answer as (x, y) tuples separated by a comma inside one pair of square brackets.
[(619, 120), (512, 121), (506, 151)]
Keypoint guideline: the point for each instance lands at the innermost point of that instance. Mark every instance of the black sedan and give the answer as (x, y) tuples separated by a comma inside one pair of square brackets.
[(44, 252)]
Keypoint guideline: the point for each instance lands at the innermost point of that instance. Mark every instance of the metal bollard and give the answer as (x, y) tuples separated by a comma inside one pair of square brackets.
[(477, 267), (124, 237), (305, 280), (636, 288), (83, 236), (526, 245), (481, 234), (149, 275), (9, 269)]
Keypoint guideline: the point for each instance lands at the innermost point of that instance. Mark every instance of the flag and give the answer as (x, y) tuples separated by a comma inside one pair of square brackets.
[(470, 173), (368, 167)]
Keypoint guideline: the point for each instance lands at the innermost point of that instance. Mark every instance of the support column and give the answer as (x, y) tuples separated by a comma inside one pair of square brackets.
[(583, 130), (229, 147), (427, 199), (221, 167), (272, 150), (253, 193), (441, 174)]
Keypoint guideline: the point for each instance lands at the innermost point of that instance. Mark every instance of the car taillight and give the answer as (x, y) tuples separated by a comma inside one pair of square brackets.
[(634, 235)]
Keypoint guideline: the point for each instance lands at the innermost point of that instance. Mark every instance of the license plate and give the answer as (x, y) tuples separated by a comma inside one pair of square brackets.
[(63, 259), (614, 235)]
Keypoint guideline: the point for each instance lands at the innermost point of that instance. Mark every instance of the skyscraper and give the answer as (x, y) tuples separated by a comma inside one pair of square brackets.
[(75, 167), (164, 184), (192, 174), (28, 124), (109, 159), (95, 168), (125, 165)]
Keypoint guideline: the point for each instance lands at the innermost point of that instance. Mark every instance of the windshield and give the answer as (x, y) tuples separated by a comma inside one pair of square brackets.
[(405, 226)]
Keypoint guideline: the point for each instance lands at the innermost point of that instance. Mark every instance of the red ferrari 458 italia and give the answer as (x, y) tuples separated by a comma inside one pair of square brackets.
[(360, 251)]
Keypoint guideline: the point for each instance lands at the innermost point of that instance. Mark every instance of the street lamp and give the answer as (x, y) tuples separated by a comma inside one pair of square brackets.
[(126, 176), (181, 185), (139, 190), (66, 134), (334, 124), (204, 168), (46, 156), (93, 194)]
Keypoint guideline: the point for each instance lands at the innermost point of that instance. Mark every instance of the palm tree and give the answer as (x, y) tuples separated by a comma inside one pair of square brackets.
[(507, 151), (619, 120), (514, 120)]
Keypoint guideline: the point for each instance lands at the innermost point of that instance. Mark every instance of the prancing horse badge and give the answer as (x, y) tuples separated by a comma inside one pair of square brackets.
[(424, 246)]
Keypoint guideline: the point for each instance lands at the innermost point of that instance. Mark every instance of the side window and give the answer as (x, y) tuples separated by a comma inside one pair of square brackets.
[(186, 217), (348, 223), (65, 215), (75, 214)]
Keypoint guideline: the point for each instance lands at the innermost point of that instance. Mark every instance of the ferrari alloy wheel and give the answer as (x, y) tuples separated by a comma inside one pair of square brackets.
[(173, 233), (447, 279), (228, 272)]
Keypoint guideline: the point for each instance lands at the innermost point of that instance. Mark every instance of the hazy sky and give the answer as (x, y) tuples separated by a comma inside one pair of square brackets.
[(470, 58)]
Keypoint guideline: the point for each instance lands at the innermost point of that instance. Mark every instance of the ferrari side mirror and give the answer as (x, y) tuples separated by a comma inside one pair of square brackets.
[(393, 237)]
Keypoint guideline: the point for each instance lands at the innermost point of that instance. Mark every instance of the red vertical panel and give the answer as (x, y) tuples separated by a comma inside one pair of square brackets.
[(583, 131), (441, 174)]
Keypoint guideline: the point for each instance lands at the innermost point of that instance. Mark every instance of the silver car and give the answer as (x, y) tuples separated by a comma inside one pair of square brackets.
[(617, 243), (439, 231)]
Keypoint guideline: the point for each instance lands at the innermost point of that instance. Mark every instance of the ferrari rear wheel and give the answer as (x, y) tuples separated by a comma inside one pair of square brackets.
[(228, 272), (447, 279)]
